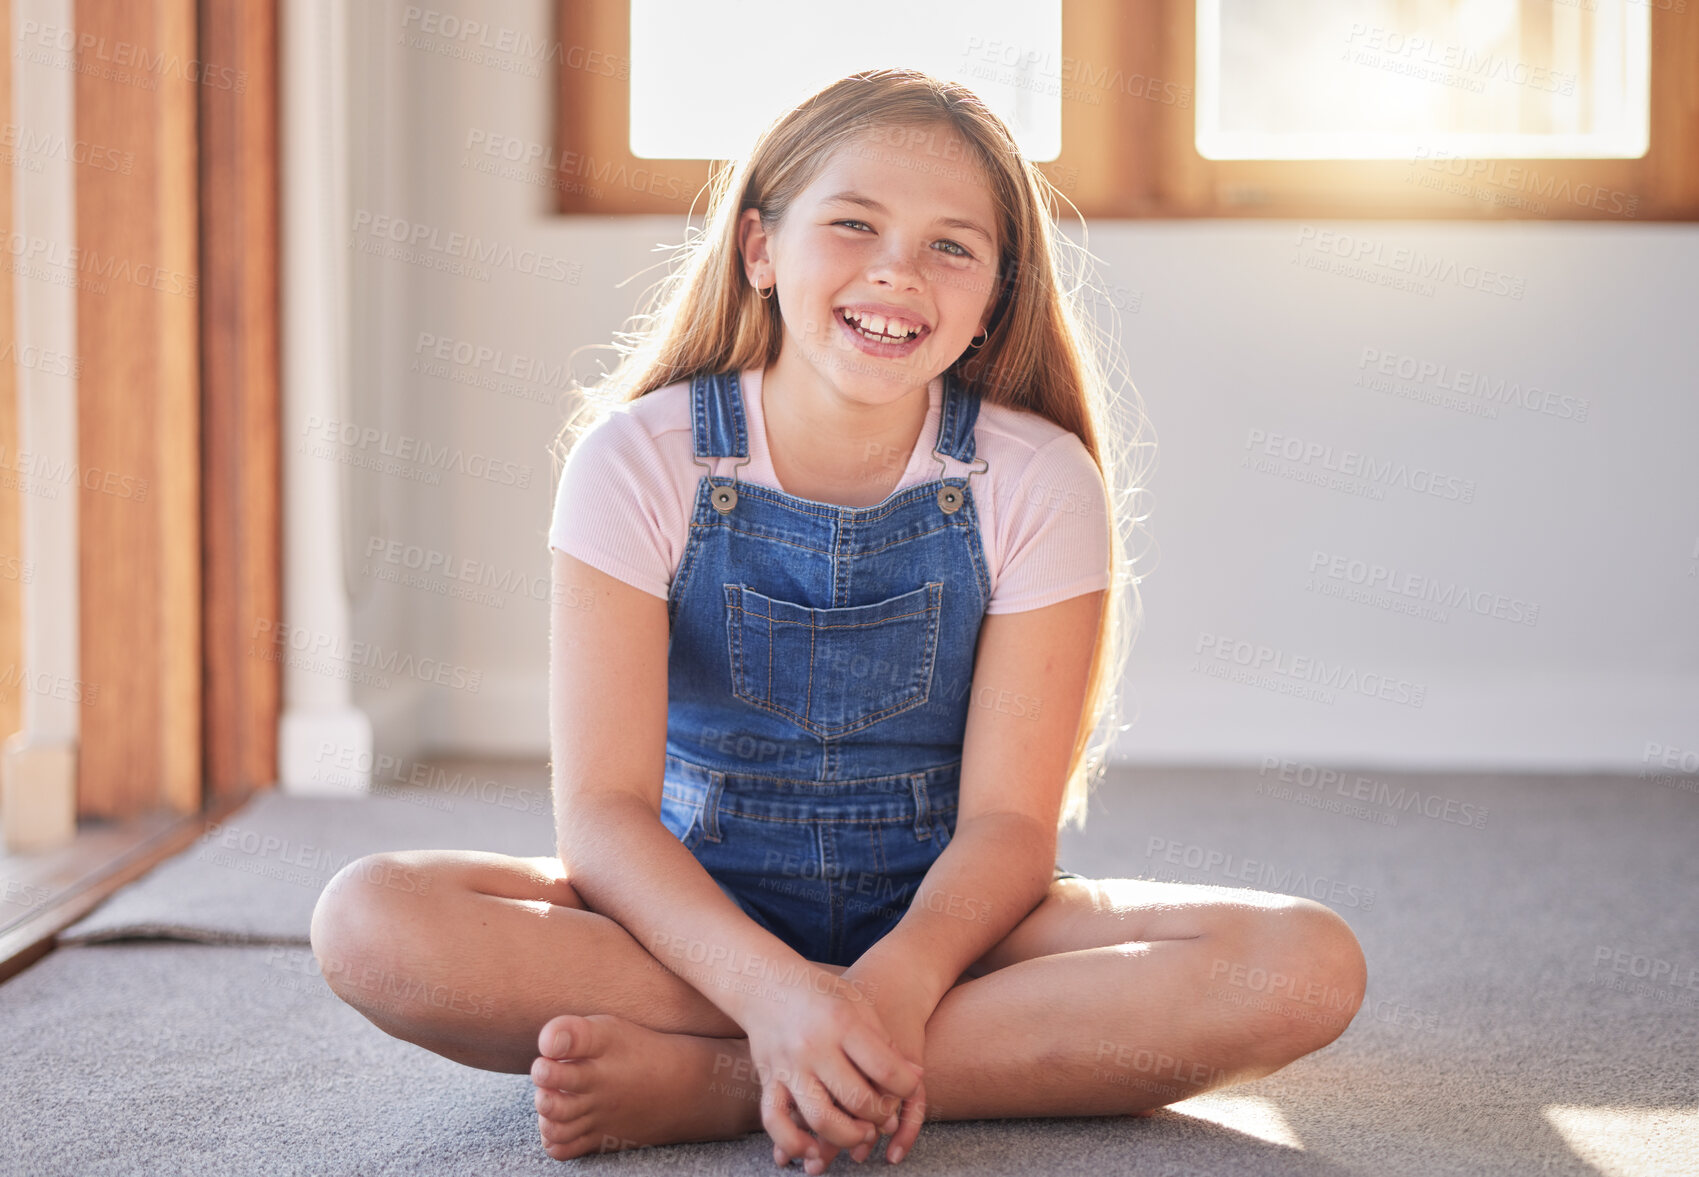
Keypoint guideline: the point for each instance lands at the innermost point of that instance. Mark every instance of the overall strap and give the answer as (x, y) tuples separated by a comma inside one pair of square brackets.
[(716, 416), (960, 411)]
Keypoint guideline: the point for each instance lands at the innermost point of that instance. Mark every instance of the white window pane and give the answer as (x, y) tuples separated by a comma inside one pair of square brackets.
[(707, 76), (1344, 79)]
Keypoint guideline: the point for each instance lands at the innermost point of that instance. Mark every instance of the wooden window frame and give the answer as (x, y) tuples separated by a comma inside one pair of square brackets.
[(1128, 138)]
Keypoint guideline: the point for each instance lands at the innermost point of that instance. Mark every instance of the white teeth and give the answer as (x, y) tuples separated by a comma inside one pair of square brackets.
[(879, 325)]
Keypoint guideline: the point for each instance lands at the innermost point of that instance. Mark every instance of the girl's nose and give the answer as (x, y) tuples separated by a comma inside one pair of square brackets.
[(896, 268)]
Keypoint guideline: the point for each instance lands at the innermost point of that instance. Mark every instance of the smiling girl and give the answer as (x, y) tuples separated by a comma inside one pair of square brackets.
[(838, 610)]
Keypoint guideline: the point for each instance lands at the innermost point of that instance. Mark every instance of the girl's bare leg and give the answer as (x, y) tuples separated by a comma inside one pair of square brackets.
[(1171, 990)]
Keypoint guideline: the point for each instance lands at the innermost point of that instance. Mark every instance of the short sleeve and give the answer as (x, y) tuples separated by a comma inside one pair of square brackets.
[(1055, 530), (612, 507)]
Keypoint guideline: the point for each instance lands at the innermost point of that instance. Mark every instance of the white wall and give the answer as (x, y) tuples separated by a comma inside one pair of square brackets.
[(1227, 331)]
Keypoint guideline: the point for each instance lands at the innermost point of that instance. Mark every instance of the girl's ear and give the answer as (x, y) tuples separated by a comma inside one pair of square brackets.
[(751, 244)]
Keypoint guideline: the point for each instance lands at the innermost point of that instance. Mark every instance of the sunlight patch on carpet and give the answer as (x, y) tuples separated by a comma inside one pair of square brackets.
[(1251, 1114), (1629, 1141)]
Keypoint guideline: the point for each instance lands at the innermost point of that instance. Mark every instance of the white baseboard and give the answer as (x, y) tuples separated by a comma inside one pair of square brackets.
[(1559, 723), (324, 751), (38, 794), (398, 715)]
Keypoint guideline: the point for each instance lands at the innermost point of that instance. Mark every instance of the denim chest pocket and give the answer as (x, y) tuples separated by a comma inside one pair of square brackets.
[(833, 671)]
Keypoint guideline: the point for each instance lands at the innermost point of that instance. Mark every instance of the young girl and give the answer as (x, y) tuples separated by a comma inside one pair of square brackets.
[(837, 613)]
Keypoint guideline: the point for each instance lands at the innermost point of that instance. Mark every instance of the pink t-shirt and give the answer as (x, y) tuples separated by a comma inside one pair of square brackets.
[(624, 499)]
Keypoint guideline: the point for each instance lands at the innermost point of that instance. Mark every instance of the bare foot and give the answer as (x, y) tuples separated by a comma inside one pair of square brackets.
[(605, 1084)]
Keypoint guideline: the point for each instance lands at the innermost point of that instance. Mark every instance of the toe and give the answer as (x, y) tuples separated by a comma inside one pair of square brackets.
[(553, 1075), (561, 1034), (565, 1133), (561, 1106), (566, 1150)]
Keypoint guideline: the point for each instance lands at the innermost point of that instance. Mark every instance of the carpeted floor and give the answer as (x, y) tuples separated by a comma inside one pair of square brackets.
[(1533, 999)]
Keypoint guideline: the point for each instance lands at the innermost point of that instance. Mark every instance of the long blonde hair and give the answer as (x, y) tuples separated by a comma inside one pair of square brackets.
[(1044, 354)]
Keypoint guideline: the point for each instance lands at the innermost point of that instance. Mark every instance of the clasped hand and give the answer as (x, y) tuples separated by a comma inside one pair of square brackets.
[(841, 1055)]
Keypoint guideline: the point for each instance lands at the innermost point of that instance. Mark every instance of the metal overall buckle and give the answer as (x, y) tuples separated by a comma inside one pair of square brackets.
[(724, 498), (950, 498)]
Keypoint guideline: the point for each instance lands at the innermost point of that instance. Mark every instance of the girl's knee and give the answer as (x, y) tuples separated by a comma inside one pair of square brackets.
[(1333, 950), (1297, 975), (358, 912)]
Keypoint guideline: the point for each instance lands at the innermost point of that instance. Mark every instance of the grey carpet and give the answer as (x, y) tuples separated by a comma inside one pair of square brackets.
[(1490, 1042), (254, 878)]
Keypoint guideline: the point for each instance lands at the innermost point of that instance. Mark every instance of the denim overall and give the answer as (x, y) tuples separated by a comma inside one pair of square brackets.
[(818, 682)]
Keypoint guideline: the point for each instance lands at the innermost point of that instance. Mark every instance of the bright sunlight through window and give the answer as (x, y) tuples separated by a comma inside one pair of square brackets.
[(1406, 79), (706, 77)]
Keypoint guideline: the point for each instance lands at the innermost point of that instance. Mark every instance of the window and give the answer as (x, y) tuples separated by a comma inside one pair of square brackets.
[(1528, 109), (1402, 79), (690, 62)]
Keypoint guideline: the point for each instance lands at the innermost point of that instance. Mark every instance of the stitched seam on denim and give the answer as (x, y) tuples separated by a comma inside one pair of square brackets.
[(698, 435), (733, 385), (848, 625), (769, 646), (863, 801), (976, 549), (758, 535), (734, 651), (822, 730), (934, 590), (808, 697), (922, 803), (903, 820), (919, 492), (686, 563), (825, 852), (710, 808), (743, 694), (904, 777), (900, 542), (906, 817), (933, 807)]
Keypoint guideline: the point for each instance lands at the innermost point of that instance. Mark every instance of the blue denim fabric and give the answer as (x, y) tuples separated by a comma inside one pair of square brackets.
[(818, 679)]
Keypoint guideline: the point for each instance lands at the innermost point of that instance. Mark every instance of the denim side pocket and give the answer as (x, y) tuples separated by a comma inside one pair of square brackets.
[(941, 833), (683, 818)]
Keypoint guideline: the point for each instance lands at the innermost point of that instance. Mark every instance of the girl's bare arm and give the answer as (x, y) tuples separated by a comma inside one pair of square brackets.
[(1027, 699), (607, 735), (608, 723)]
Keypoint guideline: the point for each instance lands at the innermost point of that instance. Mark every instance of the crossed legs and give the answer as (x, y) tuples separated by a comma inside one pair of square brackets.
[(1112, 997)]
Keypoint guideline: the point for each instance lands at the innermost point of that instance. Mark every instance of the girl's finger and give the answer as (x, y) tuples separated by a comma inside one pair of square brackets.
[(914, 1112), (788, 1138), (883, 1064), (864, 1103), (827, 1149), (827, 1119)]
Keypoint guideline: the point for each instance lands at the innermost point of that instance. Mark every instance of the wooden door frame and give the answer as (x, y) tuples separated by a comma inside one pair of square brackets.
[(177, 471), (241, 456), (180, 389)]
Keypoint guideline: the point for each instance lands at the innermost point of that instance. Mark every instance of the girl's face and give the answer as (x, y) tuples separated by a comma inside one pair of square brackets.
[(899, 224)]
